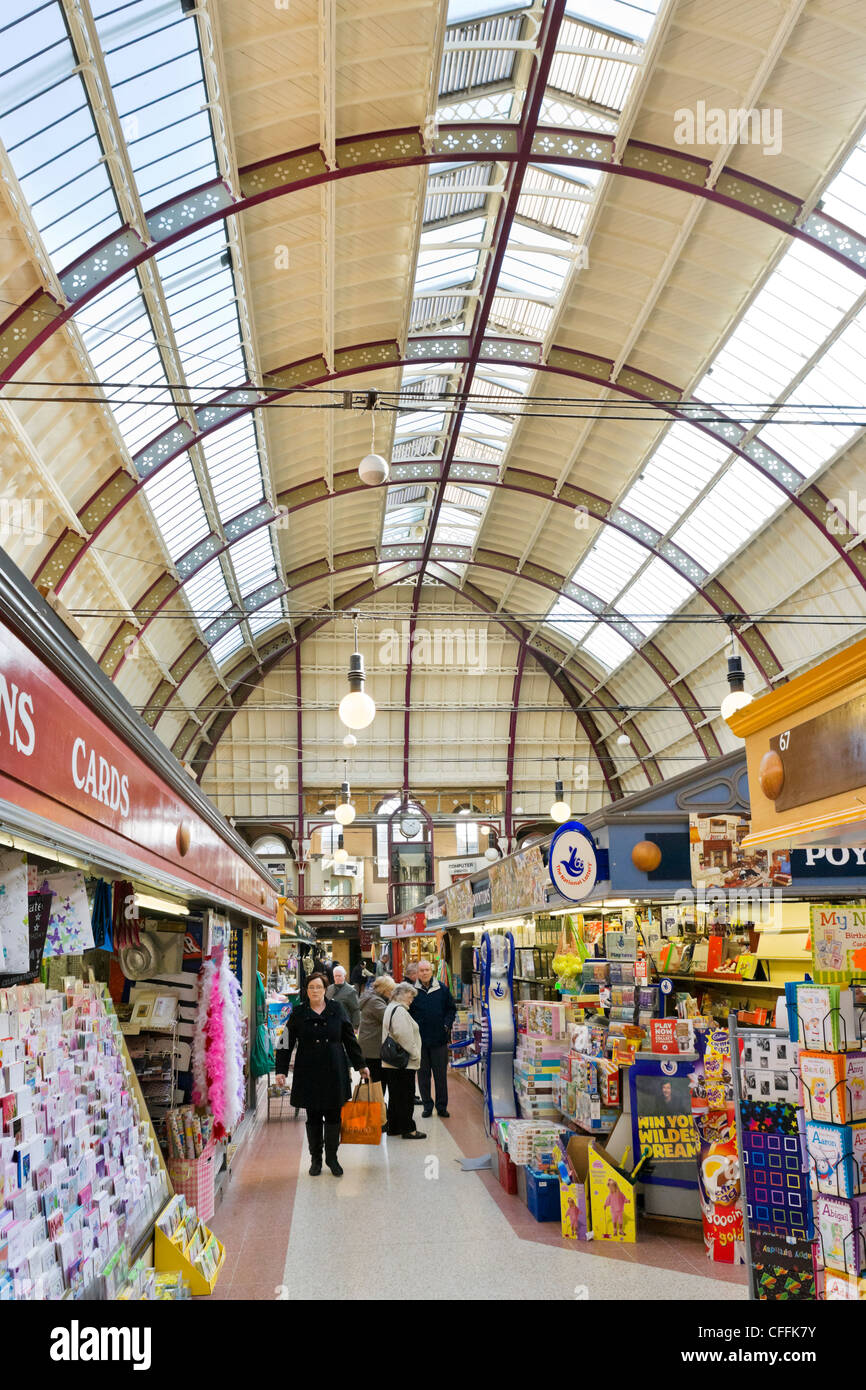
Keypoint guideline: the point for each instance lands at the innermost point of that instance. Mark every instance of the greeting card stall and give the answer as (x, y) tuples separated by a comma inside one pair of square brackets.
[(113, 857)]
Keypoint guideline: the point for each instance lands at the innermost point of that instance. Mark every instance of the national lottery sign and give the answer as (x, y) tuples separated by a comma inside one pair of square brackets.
[(573, 861)]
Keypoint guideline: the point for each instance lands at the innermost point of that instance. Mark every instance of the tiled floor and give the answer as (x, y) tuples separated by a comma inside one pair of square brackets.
[(407, 1221)]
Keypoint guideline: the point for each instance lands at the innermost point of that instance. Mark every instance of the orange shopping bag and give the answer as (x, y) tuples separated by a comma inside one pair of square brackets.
[(361, 1120)]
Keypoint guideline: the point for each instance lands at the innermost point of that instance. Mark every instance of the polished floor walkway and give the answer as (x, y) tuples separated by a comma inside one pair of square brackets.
[(407, 1222)]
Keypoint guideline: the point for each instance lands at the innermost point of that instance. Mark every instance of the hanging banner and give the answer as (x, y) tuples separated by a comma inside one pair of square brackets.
[(718, 859), (518, 883)]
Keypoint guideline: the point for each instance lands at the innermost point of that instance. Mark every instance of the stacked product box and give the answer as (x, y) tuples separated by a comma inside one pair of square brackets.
[(536, 1068), (588, 1090), (80, 1174), (523, 1138)]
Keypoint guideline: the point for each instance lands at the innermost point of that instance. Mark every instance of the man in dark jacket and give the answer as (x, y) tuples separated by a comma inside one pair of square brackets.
[(433, 1009)]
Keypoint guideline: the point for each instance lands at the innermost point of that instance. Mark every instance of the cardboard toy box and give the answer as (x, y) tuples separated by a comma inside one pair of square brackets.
[(612, 1194), (573, 1189)]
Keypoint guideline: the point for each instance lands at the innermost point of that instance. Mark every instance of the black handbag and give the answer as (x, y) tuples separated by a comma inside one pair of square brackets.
[(393, 1053)]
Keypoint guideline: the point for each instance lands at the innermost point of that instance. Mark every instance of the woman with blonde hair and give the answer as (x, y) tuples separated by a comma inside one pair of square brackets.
[(373, 1005)]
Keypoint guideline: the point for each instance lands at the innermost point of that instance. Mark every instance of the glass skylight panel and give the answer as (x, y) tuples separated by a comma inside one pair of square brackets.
[(656, 593), (153, 61), (459, 11), (234, 468), (569, 619), (441, 267), (49, 132), (599, 80), (609, 565), (199, 288), (176, 503), (433, 311), (605, 644), (526, 268), (253, 561), (227, 646), (207, 594), (418, 422), (467, 70), (525, 317), (803, 300), (451, 191), (633, 17), (118, 334), (681, 465), (555, 202), (266, 617), (845, 197), (737, 506), (836, 381)]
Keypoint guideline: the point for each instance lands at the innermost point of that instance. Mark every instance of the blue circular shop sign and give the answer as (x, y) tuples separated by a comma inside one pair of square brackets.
[(572, 862)]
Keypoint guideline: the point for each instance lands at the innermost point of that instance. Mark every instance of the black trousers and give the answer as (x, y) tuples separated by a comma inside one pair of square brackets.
[(434, 1061), (401, 1094), (328, 1117), (377, 1072)]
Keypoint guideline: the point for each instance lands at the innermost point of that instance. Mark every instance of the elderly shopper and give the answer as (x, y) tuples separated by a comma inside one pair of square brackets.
[(398, 1023), (345, 994), (434, 1010), (373, 1006)]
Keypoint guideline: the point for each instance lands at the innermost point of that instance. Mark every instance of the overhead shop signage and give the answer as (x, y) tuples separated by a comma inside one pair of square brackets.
[(832, 861), (518, 883), (821, 757), (574, 863), (60, 761)]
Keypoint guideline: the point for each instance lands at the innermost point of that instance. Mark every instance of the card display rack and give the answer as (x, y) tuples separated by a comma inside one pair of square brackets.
[(778, 1221)]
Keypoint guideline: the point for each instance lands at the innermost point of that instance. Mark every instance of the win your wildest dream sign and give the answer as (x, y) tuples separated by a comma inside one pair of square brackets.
[(663, 1132)]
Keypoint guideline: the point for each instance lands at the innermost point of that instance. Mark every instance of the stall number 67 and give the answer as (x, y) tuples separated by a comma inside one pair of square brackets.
[(784, 740)]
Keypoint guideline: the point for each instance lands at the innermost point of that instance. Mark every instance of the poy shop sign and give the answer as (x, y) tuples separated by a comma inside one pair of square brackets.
[(573, 862)]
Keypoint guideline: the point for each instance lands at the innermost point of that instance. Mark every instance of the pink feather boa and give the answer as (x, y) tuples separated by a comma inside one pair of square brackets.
[(218, 1080)]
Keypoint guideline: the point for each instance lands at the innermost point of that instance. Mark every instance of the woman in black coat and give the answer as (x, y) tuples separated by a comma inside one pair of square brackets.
[(326, 1045)]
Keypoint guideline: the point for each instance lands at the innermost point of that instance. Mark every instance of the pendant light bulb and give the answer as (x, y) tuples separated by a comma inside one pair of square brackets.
[(560, 810), (349, 741), (341, 855), (373, 469), (357, 709), (737, 697), (344, 811)]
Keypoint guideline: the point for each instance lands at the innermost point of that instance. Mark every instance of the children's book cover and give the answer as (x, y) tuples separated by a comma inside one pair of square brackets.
[(831, 1159), (782, 1269)]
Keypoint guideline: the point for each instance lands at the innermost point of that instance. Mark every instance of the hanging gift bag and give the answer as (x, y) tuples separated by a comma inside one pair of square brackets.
[(70, 930), (361, 1119)]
